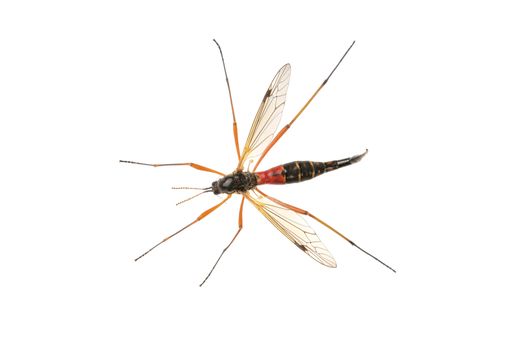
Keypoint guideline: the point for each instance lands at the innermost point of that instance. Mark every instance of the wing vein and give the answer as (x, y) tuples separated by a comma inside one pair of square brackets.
[(267, 118), (293, 227)]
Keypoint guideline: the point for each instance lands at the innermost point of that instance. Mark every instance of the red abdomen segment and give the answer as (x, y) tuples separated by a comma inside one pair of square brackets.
[(302, 170), (273, 176)]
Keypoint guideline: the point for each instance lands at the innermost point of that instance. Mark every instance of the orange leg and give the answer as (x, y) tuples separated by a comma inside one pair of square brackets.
[(304, 212), (193, 165), (287, 126), (199, 218), (228, 246), (235, 134)]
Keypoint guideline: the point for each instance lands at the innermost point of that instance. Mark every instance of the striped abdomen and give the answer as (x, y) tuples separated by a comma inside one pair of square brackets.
[(302, 170)]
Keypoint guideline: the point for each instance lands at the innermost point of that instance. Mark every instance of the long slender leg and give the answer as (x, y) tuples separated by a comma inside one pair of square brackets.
[(199, 218), (228, 246), (287, 126), (235, 135), (193, 165), (304, 212)]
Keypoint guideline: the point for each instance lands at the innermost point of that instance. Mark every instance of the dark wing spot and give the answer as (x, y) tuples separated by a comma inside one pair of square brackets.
[(301, 246), (268, 93)]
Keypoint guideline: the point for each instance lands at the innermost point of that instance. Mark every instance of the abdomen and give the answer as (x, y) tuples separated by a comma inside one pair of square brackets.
[(302, 170)]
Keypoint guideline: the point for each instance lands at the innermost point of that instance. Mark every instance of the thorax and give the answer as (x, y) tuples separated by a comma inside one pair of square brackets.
[(237, 182)]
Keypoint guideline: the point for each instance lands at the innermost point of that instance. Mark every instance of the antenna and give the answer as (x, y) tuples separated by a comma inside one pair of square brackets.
[(198, 194)]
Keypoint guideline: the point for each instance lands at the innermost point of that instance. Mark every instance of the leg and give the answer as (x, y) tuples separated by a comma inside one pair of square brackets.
[(193, 165), (235, 135), (228, 246), (304, 212), (287, 126), (199, 218)]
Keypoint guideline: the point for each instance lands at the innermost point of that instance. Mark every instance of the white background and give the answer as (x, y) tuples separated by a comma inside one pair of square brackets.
[(435, 92)]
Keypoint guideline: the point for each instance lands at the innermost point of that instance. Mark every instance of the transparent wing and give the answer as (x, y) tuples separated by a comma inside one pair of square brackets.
[(267, 118), (294, 227)]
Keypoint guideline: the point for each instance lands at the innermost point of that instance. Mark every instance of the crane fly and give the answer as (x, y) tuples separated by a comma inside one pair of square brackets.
[(288, 219)]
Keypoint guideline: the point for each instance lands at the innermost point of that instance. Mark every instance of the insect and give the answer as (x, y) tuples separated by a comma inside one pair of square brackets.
[(245, 179)]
